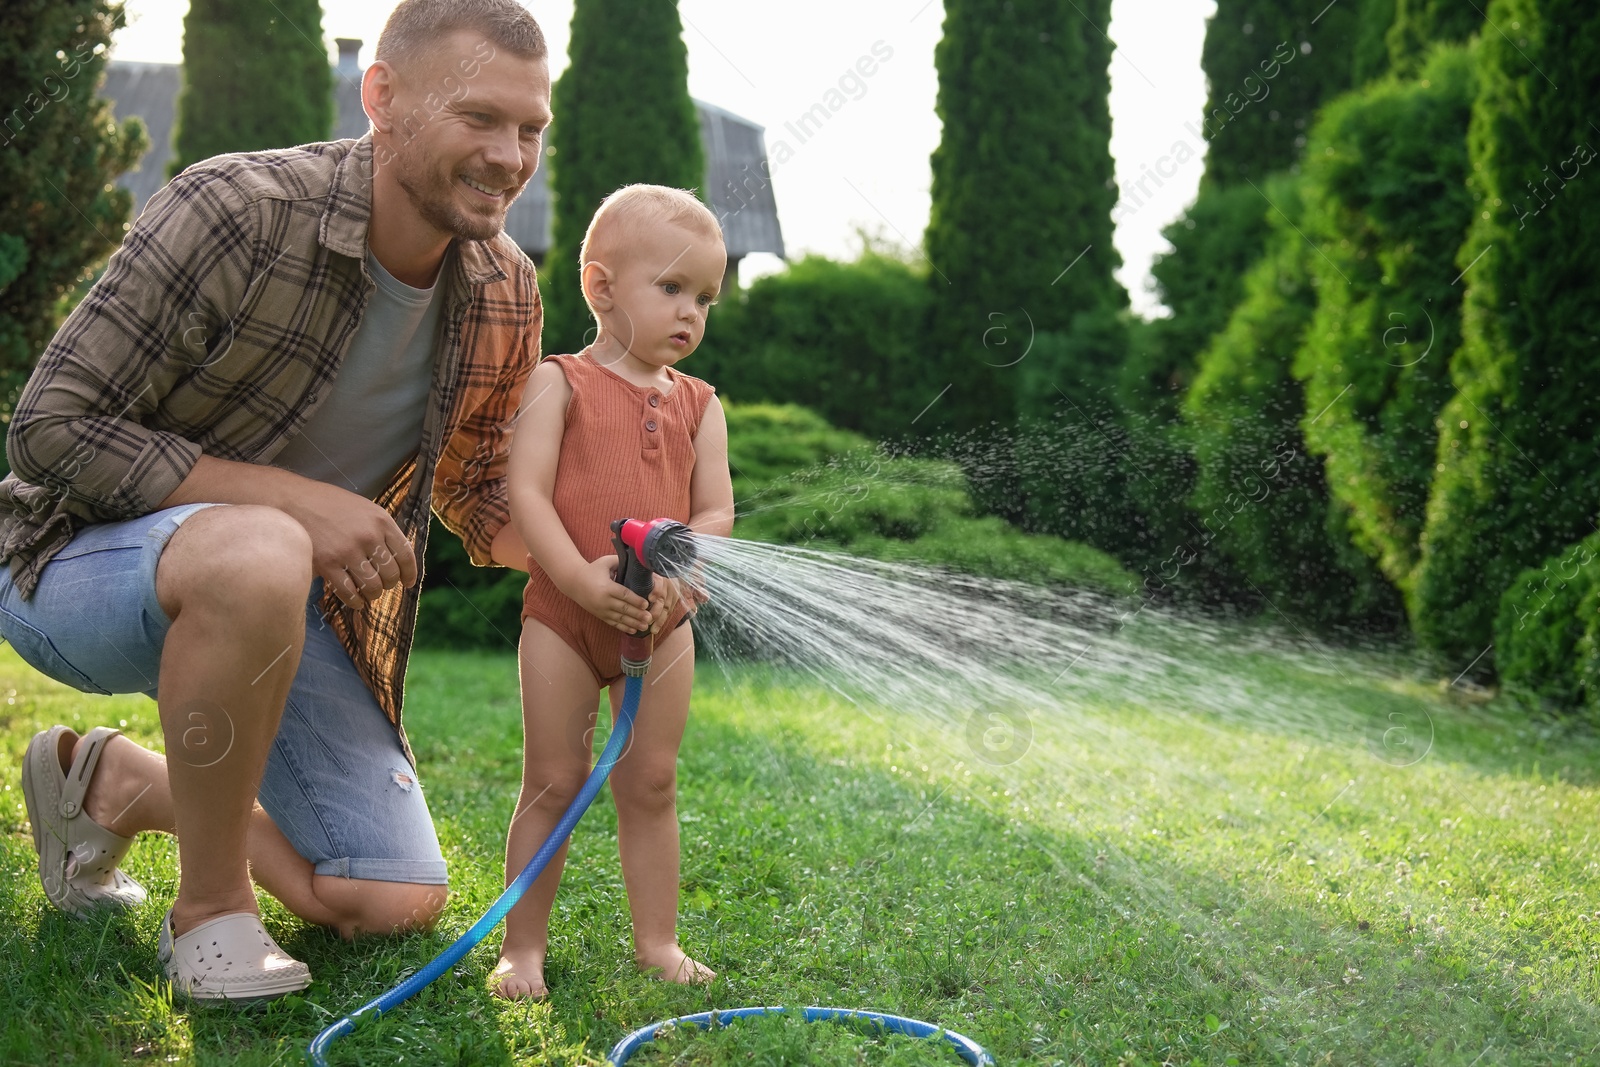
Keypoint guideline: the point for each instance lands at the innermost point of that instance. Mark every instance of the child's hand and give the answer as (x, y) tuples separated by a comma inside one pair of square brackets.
[(599, 593)]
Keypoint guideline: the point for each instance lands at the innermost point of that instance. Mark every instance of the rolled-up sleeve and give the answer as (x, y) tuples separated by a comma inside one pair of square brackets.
[(82, 425), (470, 493)]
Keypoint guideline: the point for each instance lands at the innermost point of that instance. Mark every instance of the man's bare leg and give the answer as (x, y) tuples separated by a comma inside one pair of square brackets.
[(130, 794), (234, 580)]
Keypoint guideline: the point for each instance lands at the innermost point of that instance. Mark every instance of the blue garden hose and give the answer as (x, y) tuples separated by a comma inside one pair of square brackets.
[(968, 1049), (317, 1052)]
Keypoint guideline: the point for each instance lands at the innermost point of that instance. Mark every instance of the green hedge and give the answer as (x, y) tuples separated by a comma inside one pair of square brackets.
[(841, 338), (1387, 205), (871, 503), (1547, 630), (1263, 503), (1517, 472), (798, 480)]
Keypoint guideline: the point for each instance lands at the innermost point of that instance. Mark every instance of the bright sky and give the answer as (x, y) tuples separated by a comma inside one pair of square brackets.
[(867, 168)]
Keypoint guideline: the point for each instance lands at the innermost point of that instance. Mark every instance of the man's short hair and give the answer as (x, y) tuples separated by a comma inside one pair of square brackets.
[(633, 207), (416, 26)]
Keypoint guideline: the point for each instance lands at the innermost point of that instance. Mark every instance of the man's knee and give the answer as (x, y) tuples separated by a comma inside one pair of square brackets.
[(369, 907), (235, 554)]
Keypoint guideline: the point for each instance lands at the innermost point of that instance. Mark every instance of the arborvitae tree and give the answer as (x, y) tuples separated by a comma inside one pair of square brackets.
[(1384, 184), (255, 76), (1261, 501), (1269, 64), (1518, 471), (624, 116), (1019, 233), (1418, 24), (60, 152)]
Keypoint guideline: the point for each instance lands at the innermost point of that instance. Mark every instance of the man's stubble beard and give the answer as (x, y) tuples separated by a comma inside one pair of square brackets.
[(435, 200)]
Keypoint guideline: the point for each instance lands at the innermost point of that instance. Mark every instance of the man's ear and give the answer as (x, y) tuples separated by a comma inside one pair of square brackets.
[(378, 85), (596, 279)]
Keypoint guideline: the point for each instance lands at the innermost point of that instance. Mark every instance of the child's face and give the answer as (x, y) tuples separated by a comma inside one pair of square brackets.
[(664, 288)]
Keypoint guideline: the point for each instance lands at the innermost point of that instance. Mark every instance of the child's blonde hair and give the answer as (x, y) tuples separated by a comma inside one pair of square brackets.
[(633, 208)]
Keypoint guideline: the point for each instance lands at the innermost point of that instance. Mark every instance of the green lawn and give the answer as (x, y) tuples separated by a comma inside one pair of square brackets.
[(1272, 878)]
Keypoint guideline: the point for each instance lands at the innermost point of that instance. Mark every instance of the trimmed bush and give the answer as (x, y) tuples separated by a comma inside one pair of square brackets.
[(1262, 503), (840, 338), (1518, 467), (1384, 185), (871, 503), (1023, 185), (1419, 24), (1547, 630)]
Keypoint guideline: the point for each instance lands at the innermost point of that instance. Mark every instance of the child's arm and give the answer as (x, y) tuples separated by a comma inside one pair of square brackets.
[(531, 474), (711, 486)]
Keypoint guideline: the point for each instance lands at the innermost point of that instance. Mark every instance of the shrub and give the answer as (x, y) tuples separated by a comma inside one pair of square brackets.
[(840, 338), (624, 116), (1547, 630), (1387, 205), (1518, 468), (1022, 185), (1263, 504)]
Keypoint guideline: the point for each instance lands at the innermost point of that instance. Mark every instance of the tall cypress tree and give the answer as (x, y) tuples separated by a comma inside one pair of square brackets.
[(1262, 503), (1518, 467), (1269, 65), (1419, 23), (623, 115), (255, 76), (60, 151), (1387, 205), (1019, 233)]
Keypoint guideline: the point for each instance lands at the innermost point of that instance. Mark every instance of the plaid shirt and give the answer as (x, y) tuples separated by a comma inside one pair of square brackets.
[(217, 327)]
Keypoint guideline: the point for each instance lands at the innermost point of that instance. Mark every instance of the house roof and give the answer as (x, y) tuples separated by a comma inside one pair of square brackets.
[(740, 190)]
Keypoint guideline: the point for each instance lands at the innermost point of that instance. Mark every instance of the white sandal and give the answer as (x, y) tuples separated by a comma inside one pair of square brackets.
[(231, 957), (77, 856)]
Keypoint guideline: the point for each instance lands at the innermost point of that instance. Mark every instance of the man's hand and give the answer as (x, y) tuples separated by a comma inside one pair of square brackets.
[(356, 547), (598, 592)]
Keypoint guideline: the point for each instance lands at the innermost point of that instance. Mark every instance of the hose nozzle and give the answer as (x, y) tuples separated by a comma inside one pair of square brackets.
[(645, 549)]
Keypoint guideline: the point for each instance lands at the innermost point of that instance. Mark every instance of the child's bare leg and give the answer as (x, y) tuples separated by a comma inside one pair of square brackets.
[(644, 786), (559, 699)]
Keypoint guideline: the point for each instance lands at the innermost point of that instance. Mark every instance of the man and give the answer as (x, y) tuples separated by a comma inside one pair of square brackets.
[(291, 356)]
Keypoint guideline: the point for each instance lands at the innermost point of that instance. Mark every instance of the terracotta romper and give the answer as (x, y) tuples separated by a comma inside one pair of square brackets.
[(626, 453)]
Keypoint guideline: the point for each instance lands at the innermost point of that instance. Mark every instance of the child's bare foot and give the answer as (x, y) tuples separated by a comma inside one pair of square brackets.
[(519, 976), (670, 964)]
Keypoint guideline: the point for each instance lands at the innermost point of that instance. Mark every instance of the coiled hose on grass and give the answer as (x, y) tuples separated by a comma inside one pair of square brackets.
[(317, 1051)]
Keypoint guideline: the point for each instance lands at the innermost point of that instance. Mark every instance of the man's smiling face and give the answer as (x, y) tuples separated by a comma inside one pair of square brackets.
[(465, 146)]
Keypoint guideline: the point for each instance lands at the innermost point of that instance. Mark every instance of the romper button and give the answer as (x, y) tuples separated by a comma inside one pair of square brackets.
[(655, 401), (650, 425)]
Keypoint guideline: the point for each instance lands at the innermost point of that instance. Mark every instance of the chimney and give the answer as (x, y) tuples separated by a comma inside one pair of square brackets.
[(349, 56)]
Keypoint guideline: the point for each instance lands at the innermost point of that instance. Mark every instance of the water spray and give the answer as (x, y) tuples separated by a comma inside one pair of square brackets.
[(644, 549)]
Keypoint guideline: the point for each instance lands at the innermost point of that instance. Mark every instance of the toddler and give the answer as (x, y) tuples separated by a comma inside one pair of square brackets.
[(612, 432)]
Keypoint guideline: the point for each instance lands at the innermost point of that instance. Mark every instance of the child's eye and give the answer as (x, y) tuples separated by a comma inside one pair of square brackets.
[(706, 301), (671, 288)]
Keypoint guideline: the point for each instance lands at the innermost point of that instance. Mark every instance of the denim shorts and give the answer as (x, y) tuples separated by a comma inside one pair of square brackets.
[(337, 782)]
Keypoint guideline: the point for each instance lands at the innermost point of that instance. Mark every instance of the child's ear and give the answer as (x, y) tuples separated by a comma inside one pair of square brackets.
[(596, 280)]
